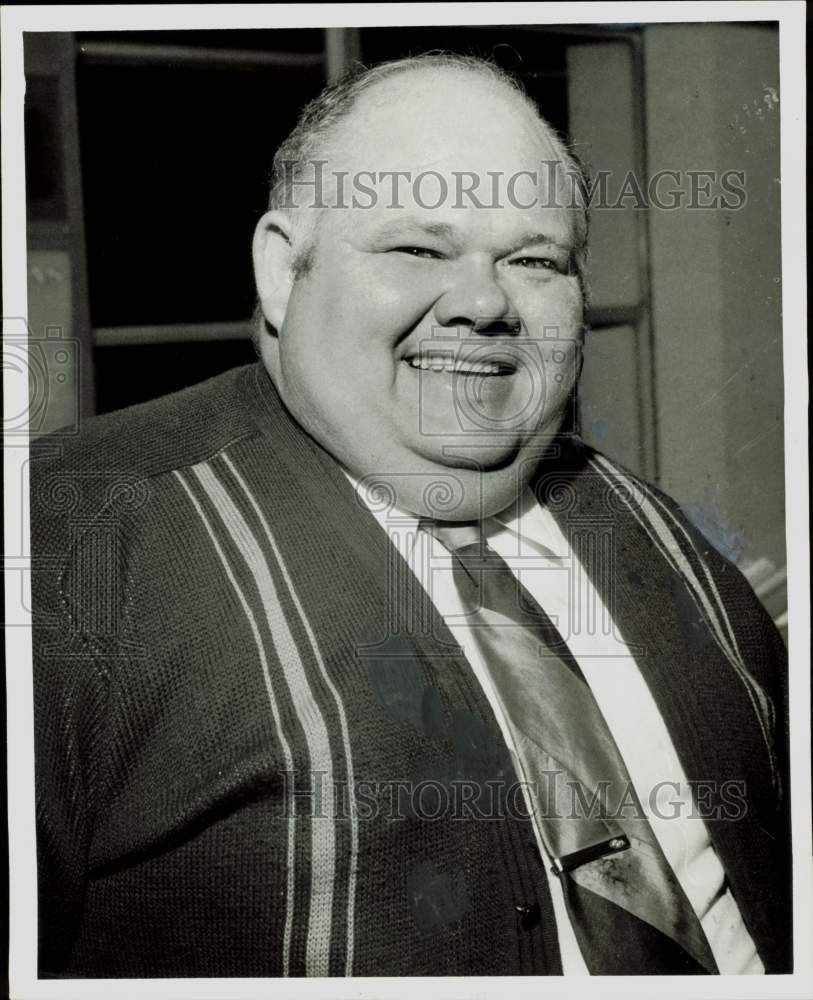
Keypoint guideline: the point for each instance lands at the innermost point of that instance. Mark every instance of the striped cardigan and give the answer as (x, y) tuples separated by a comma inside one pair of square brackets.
[(258, 750)]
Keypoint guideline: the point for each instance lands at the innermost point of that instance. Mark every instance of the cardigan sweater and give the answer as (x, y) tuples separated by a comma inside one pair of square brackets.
[(259, 751)]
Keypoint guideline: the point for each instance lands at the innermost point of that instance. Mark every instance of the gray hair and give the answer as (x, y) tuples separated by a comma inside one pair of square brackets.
[(319, 121)]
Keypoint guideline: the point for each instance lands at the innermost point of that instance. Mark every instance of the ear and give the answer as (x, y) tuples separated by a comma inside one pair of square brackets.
[(273, 259)]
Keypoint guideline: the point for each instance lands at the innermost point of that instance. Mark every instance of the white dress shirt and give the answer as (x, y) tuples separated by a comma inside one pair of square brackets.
[(534, 547)]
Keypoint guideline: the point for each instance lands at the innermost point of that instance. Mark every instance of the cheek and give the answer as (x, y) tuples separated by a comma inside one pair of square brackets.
[(562, 366), (555, 312), (364, 306), (555, 324)]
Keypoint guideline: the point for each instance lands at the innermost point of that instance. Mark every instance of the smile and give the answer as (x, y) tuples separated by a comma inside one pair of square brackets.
[(447, 363)]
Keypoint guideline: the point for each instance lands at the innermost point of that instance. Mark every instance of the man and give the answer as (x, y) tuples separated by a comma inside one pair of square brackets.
[(274, 739)]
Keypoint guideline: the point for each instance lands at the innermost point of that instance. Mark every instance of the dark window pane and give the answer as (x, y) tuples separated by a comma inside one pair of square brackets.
[(134, 374), (44, 170), (175, 164), (510, 47)]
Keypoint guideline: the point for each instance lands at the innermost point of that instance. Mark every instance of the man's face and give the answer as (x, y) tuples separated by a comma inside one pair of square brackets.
[(428, 338)]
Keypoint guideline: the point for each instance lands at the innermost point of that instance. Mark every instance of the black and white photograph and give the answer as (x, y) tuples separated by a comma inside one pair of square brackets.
[(406, 500)]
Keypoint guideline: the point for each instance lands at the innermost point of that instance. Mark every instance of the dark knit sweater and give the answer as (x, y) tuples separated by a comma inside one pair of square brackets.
[(227, 652)]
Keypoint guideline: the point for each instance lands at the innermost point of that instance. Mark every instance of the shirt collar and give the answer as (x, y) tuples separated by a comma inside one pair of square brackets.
[(531, 521)]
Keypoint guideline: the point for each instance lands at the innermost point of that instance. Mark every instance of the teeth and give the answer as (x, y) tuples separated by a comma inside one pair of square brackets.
[(441, 364)]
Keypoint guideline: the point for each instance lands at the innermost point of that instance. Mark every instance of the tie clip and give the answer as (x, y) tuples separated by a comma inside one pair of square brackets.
[(578, 858)]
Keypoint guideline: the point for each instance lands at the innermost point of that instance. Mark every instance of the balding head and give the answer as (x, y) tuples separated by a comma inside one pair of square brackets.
[(433, 94)]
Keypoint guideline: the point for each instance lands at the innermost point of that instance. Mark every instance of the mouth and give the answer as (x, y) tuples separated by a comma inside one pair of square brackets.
[(446, 363)]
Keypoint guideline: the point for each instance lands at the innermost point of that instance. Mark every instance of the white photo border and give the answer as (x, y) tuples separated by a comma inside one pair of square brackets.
[(23, 935)]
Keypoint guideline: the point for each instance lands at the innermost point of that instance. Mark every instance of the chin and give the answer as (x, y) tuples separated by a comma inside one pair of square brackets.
[(472, 452), (453, 480), (476, 495)]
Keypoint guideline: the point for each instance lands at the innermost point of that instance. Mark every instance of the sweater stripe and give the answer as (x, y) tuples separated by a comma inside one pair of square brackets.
[(286, 749), (323, 834), (723, 614), (765, 703), (343, 722), (668, 543), (670, 547)]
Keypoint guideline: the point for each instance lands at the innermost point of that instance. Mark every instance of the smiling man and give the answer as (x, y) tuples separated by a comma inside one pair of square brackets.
[(419, 287), (357, 661)]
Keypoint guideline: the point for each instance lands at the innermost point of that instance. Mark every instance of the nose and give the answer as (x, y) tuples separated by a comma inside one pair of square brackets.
[(477, 301)]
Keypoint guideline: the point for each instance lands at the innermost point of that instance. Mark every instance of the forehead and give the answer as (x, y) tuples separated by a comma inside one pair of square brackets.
[(423, 138), (441, 119)]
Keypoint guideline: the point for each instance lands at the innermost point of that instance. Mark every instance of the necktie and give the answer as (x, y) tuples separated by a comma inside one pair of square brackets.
[(629, 912)]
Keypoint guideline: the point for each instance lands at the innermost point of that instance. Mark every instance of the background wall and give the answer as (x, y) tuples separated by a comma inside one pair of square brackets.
[(147, 162), (716, 283), (689, 391)]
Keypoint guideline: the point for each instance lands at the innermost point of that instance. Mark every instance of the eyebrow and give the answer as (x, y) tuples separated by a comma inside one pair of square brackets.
[(534, 238), (404, 225), (443, 230)]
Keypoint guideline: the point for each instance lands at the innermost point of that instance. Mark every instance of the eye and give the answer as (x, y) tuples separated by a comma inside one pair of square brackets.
[(423, 252), (538, 263)]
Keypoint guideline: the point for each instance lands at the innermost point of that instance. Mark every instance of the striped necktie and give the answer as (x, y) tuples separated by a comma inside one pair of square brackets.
[(629, 912)]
